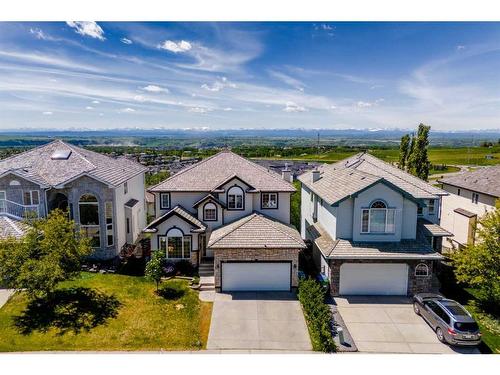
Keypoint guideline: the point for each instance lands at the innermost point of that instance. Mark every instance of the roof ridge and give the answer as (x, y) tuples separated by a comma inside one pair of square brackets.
[(72, 147), (273, 222), (405, 172), (243, 221)]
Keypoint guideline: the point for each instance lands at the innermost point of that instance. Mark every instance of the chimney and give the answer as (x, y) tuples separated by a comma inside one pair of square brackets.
[(315, 174), (286, 174)]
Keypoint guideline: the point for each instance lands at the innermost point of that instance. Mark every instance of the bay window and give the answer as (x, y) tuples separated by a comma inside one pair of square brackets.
[(378, 218)]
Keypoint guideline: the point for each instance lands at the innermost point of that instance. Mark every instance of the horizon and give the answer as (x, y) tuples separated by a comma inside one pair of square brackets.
[(256, 76)]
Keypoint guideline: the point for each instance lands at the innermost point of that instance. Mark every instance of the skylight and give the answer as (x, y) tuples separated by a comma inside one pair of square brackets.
[(61, 155)]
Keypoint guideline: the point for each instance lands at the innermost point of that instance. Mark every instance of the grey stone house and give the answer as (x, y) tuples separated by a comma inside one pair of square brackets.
[(230, 211), (104, 195), (374, 228)]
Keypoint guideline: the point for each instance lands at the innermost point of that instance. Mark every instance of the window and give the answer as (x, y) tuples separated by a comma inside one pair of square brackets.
[(235, 198), (378, 218), (109, 223), (210, 212), (164, 200), (269, 200), (422, 270), (432, 206), (128, 225), (125, 187), (31, 198), (458, 191), (475, 198), (175, 244), (89, 218), (3, 204)]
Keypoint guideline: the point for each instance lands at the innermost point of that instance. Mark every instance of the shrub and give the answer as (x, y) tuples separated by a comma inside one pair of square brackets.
[(185, 267), (318, 315)]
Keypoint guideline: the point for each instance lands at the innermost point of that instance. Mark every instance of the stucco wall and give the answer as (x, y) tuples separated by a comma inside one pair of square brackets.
[(306, 210), (409, 220)]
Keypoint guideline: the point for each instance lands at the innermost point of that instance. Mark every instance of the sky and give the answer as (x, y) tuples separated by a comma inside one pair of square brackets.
[(327, 75)]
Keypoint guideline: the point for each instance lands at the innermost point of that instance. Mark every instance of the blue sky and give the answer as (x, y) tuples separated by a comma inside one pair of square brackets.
[(249, 75)]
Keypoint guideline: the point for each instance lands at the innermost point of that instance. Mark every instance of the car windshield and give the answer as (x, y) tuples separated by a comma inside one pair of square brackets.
[(467, 327)]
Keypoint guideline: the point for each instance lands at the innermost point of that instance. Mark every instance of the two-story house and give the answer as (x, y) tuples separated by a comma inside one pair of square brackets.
[(374, 227), (233, 211), (104, 195), (472, 195)]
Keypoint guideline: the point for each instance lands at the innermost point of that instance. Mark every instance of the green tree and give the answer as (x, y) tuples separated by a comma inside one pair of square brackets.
[(156, 178), (295, 206), (404, 151), (478, 265), (418, 160), (154, 268), (51, 251)]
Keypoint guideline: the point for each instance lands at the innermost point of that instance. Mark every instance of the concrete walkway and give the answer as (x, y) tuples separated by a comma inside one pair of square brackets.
[(5, 295), (258, 321), (389, 325)]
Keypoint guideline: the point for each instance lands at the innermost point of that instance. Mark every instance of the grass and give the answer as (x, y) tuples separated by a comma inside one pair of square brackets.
[(437, 155), (117, 312)]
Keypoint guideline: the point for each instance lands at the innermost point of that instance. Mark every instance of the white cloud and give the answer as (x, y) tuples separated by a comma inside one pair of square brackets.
[(47, 113), (96, 102), (127, 110), (87, 28), (227, 109), (51, 60), (125, 41), (292, 107), (199, 110), (219, 85), (38, 33), (290, 81), (175, 47), (139, 98), (155, 89), (89, 108), (460, 47)]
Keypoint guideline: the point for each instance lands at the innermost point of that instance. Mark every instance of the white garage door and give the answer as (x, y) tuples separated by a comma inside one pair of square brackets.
[(256, 276), (373, 279)]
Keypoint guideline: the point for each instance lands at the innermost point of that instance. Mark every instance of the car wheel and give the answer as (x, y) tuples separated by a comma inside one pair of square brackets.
[(416, 308), (440, 335)]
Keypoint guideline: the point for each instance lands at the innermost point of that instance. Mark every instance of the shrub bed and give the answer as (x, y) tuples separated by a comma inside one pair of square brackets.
[(318, 315)]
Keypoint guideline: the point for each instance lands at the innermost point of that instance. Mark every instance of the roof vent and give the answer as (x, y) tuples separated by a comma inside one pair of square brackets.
[(61, 155)]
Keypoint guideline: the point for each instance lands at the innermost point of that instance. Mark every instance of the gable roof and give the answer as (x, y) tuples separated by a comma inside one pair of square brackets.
[(352, 175), (209, 197), (484, 180), (210, 173), (37, 165), (180, 212), (256, 231)]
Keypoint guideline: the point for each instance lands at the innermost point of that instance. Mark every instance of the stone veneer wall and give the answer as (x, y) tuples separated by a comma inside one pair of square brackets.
[(221, 255), (416, 284)]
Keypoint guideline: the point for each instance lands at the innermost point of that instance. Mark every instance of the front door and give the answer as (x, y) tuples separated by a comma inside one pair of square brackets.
[(206, 253)]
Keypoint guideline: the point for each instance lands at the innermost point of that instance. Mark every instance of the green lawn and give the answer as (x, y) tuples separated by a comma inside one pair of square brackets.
[(124, 314)]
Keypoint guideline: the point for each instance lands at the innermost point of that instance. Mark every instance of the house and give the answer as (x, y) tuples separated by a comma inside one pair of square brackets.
[(373, 227), (471, 195), (104, 195), (230, 210)]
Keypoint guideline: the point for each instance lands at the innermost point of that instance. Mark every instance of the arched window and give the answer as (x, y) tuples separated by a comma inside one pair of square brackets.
[(14, 183), (175, 244), (89, 218), (210, 212), (378, 218), (235, 198), (422, 270)]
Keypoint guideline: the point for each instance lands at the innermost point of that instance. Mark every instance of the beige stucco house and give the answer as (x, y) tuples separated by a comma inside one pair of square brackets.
[(230, 210), (374, 228), (471, 195), (104, 195)]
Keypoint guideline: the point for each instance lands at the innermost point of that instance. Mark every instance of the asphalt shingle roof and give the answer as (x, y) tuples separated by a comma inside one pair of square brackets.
[(210, 173), (431, 229), (37, 165), (256, 231), (483, 180), (11, 227), (179, 211), (349, 176), (348, 249)]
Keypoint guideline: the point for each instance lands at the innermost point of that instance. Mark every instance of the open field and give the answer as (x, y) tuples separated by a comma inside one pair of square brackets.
[(125, 314)]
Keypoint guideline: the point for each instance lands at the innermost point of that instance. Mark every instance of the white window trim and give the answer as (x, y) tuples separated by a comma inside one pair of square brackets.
[(165, 238), (31, 197), (426, 268), (386, 220), (270, 194), (241, 193), (433, 205), (98, 226), (475, 198), (110, 226)]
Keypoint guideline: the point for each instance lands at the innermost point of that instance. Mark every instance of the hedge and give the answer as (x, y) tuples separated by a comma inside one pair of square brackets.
[(318, 315)]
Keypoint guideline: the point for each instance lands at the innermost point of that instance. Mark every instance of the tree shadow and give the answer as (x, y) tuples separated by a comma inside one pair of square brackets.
[(68, 310), (171, 292)]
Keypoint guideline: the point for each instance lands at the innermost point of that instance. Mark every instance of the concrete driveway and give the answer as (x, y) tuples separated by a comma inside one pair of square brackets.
[(258, 321), (389, 325)]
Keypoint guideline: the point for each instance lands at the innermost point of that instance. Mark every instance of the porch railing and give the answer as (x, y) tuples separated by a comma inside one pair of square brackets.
[(19, 211)]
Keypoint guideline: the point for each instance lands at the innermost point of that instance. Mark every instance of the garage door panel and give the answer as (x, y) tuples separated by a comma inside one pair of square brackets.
[(373, 279), (256, 276)]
